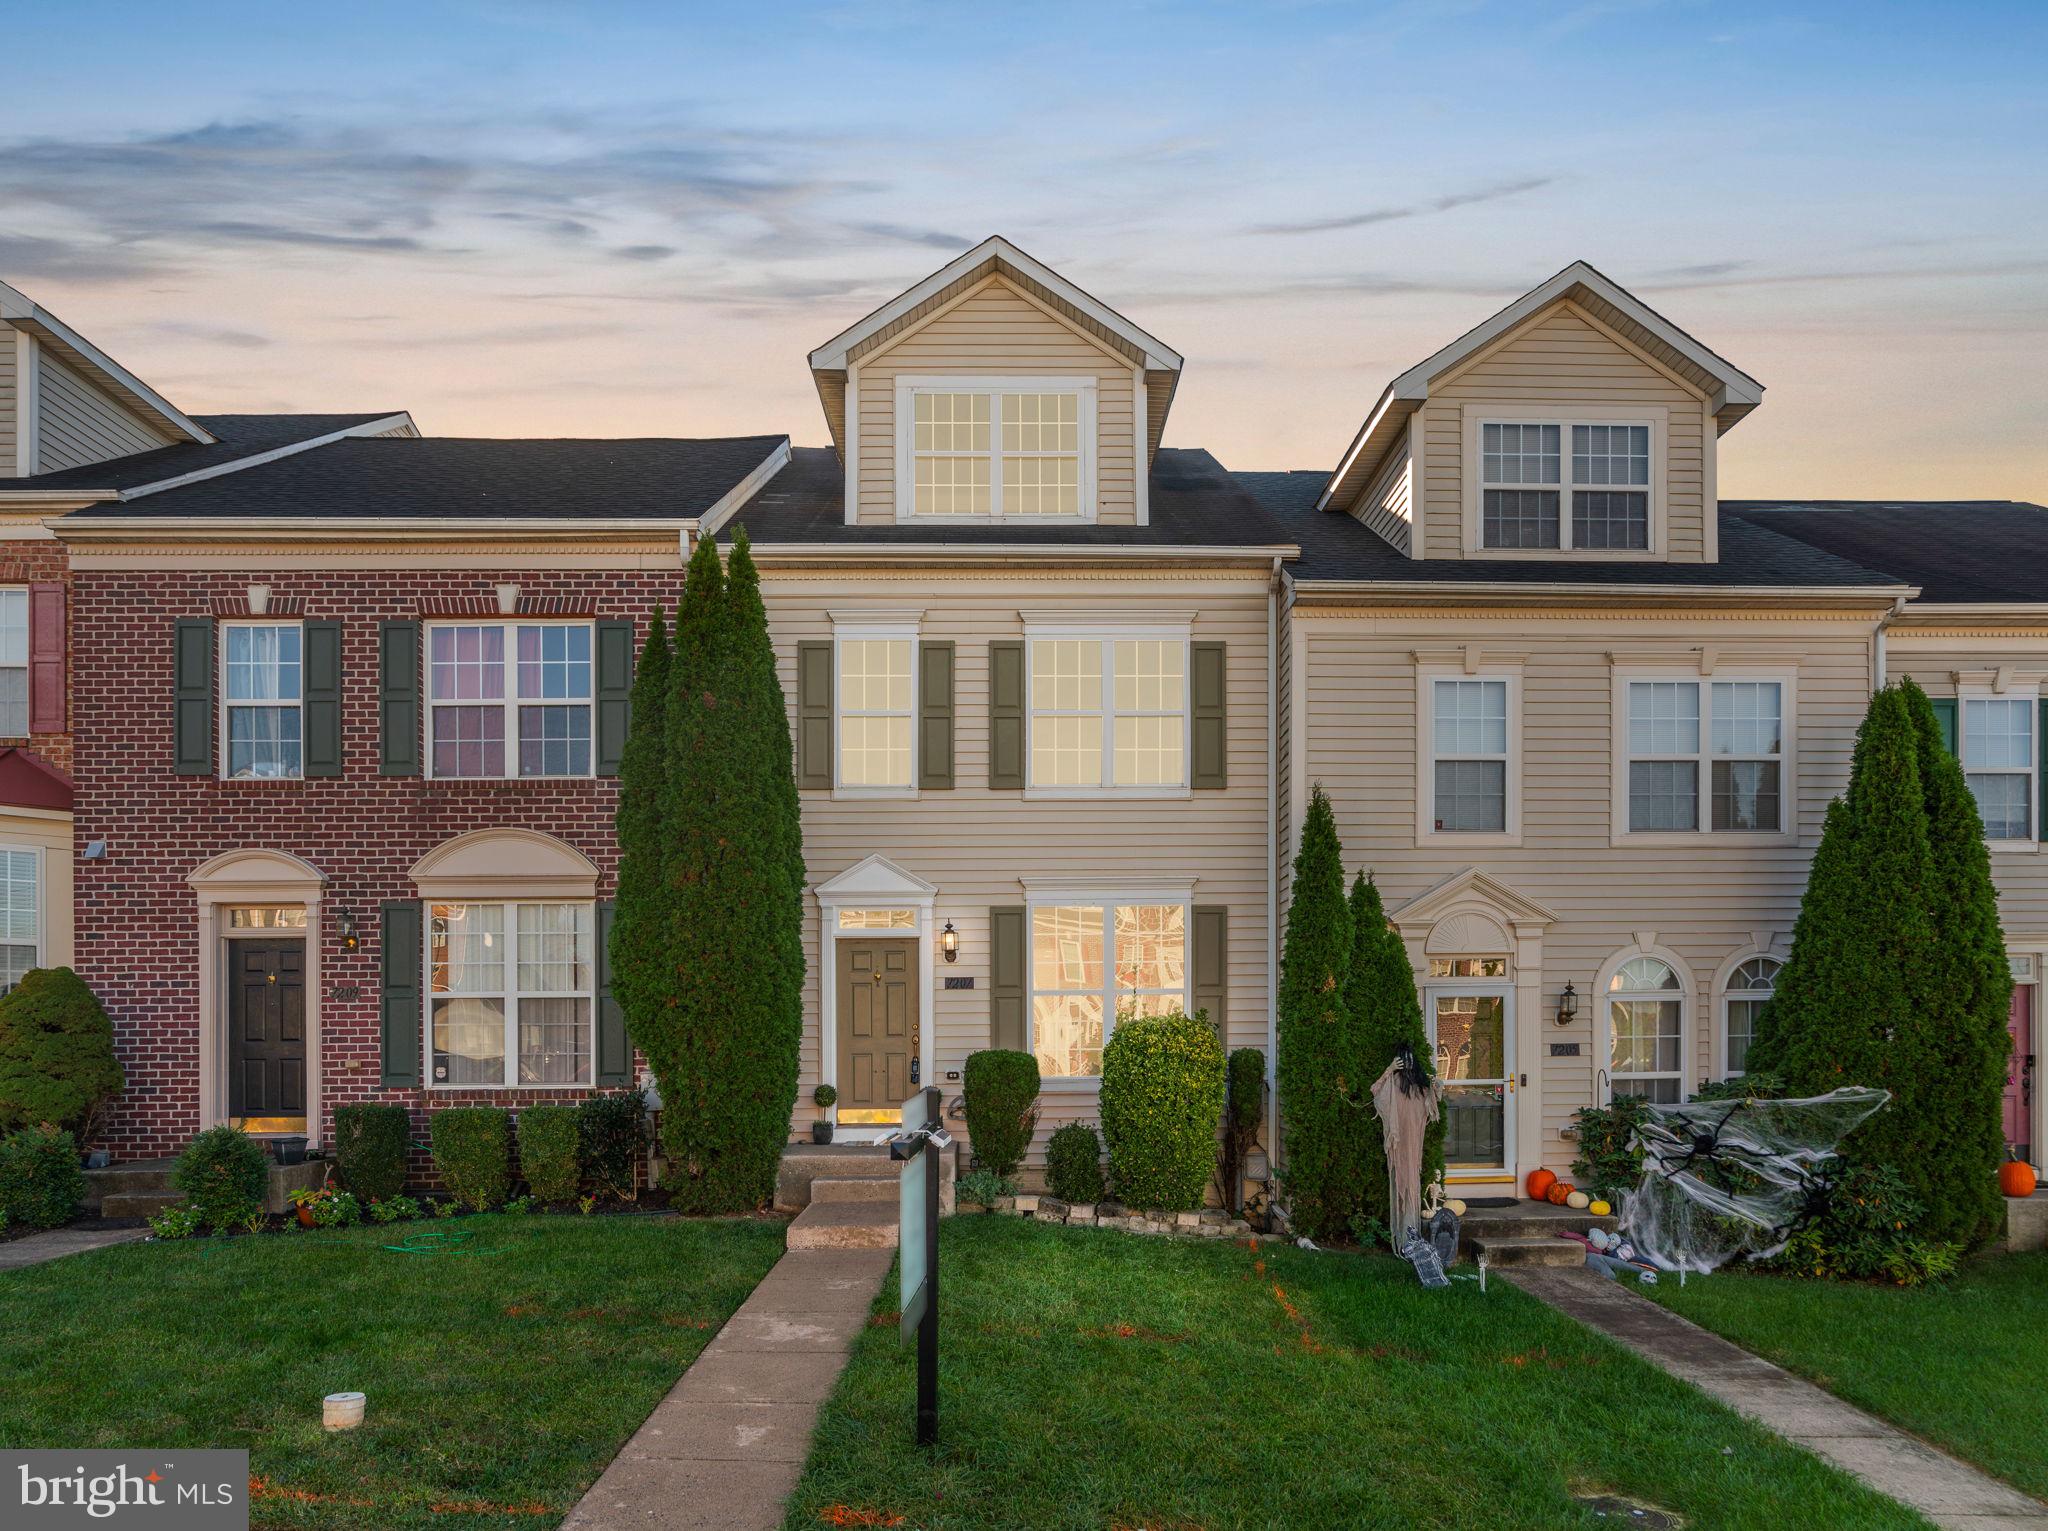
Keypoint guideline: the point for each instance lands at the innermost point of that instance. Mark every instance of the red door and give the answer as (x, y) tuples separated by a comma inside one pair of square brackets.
[(2019, 1072)]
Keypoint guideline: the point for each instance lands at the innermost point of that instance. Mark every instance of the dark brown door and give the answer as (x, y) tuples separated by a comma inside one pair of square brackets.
[(878, 1030), (266, 1028)]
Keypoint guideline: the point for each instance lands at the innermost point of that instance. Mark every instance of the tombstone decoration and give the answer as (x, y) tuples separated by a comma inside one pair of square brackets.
[(1442, 1232), (1429, 1268)]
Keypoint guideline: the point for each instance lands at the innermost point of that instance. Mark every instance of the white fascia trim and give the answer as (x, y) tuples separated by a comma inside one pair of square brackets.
[(329, 528), (291, 449), (1450, 590), (831, 356), (19, 307), (1357, 445), (917, 552), (2038, 610), (730, 503)]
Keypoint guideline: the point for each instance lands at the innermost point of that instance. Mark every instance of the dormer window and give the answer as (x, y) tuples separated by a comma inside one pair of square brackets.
[(985, 448), (1564, 486)]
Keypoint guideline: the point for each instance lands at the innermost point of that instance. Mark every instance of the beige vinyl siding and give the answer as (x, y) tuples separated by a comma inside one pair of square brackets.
[(10, 402), (975, 844), (995, 330), (1386, 507), (81, 425), (49, 833), (1560, 357)]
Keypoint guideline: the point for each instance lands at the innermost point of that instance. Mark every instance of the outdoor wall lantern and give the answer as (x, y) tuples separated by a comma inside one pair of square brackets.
[(345, 917), (1567, 1005), (949, 942)]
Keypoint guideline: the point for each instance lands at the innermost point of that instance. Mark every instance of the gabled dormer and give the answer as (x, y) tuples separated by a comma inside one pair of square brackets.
[(1576, 424), (995, 390)]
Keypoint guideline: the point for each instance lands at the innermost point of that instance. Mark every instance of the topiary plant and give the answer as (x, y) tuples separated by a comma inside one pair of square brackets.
[(1073, 1164), (370, 1145), (1001, 1089), (548, 1153), (1162, 1092), (57, 1060), (472, 1150), (40, 1182), (610, 1132), (224, 1175)]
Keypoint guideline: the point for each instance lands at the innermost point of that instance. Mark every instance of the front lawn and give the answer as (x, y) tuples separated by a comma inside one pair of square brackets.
[(502, 1374), (1964, 1366), (1096, 1380)]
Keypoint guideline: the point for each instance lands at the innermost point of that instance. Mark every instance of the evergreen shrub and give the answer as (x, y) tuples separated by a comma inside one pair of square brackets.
[(41, 1185), (370, 1145), (1162, 1094), (473, 1152), (548, 1152), (57, 1060), (224, 1176), (611, 1130), (1073, 1164), (1001, 1089)]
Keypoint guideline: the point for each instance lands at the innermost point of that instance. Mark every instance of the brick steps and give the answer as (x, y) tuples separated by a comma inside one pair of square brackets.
[(844, 1225)]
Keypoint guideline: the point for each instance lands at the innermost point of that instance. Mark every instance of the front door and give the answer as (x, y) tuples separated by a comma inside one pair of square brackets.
[(1472, 1034), (267, 1034), (878, 1029), (2019, 1073)]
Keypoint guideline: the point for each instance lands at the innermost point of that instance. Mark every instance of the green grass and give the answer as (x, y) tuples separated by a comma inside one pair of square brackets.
[(1964, 1366), (1097, 1380), (504, 1375)]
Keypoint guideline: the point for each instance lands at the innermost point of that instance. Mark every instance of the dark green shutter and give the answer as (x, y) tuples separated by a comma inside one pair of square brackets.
[(1006, 713), (398, 699), (2041, 772), (935, 715), (614, 693), (398, 945), (1945, 715), (1212, 964), (1006, 987), (814, 714), (192, 683), (614, 1053), (1210, 768), (322, 698)]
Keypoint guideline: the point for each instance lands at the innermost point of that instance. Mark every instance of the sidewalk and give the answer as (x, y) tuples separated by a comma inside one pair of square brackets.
[(724, 1449), (38, 1247), (1950, 1493)]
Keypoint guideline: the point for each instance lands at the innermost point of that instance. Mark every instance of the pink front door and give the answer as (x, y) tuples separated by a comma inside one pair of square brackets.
[(2019, 1072)]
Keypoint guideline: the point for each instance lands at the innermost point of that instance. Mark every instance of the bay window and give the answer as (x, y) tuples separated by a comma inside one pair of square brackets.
[(509, 699), (1090, 964), (1705, 755), (513, 994), (1108, 713), (262, 692), (990, 447)]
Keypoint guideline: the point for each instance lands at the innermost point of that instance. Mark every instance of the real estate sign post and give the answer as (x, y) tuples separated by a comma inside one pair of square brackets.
[(919, 1145)]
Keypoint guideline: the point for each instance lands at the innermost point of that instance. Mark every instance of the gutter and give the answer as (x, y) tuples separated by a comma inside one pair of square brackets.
[(1275, 589), (926, 552), (1446, 592)]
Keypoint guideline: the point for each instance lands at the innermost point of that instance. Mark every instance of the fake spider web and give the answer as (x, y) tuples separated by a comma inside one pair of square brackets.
[(1729, 1178)]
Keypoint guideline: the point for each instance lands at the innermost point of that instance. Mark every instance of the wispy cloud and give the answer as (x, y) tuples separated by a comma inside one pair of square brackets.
[(645, 252), (1443, 204), (212, 334)]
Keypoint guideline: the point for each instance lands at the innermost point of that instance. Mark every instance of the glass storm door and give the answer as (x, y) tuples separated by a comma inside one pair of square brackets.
[(1471, 1032), (2019, 1072)]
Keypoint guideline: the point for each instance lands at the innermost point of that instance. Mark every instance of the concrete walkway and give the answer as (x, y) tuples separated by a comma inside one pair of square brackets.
[(1948, 1492), (38, 1247), (724, 1449)]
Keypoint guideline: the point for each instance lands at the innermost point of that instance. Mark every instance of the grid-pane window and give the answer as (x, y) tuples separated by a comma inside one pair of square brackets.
[(1513, 455), (1528, 478), (875, 696), (1041, 449), (1090, 964), (509, 699), (1611, 517), (1663, 745), (949, 443), (20, 915), (1109, 712), (512, 990), (1646, 1030), (1732, 731), (1750, 988), (1151, 707), (262, 678), (1469, 726), (1748, 736), (1066, 712), (1998, 761), (13, 663), (988, 453)]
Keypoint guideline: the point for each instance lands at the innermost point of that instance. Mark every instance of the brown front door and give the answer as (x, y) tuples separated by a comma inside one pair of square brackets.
[(878, 1029), (266, 1029)]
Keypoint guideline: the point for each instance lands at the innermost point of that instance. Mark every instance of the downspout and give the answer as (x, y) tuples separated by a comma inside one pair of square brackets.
[(1274, 589), (1878, 666), (686, 542)]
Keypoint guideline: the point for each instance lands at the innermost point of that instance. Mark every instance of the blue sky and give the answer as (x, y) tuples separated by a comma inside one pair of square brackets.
[(611, 219)]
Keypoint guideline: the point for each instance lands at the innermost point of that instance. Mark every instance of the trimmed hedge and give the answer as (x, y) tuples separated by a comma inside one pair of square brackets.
[(1244, 1102), (57, 1060), (224, 1175), (611, 1130), (473, 1152), (1073, 1163), (41, 1185), (1162, 1093), (548, 1152), (370, 1144), (1001, 1088)]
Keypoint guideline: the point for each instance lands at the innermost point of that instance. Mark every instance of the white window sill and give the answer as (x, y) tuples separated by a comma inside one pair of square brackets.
[(2013, 847), (1070, 1084), (908, 518), (1571, 555), (874, 794), (504, 780), (1445, 838), (1109, 794), (496, 1089), (1695, 838)]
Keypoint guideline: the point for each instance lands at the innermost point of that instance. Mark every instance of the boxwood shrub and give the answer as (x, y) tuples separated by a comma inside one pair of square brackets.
[(224, 1176), (1073, 1163), (473, 1152), (1002, 1106), (547, 1152), (370, 1144), (57, 1060), (1162, 1097), (40, 1182), (611, 1130)]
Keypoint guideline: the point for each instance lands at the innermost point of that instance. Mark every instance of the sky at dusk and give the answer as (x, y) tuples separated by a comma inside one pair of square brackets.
[(606, 219)]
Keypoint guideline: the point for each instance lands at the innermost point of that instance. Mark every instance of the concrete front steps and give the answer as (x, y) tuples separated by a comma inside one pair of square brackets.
[(1527, 1234), (845, 1194), (143, 1189)]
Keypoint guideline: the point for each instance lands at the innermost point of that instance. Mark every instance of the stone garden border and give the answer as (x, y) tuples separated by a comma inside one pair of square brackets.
[(1209, 1223)]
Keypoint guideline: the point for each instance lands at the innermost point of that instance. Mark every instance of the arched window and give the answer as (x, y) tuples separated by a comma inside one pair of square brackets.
[(1748, 990), (1646, 1030)]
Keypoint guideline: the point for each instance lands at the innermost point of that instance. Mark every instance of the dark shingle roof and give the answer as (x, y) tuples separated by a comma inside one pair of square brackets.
[(240, 436), (1193, 503), (444, 477), (1954, 550), (1338, 547)]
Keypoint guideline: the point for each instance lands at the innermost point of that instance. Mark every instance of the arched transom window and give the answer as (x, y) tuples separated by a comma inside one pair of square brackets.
[(1646, 1028), (1749, 989)]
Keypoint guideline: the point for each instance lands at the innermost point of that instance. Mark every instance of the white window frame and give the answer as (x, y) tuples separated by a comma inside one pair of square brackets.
[(2030, 697), (1703, 777), (509, 993), (1084, 385), (865, 627), (511, 702), (1045, 898), (1426, 832), (1724, 993), (1478, 416), (220, 687), (1108, 633), (1685, 995), (41, 939), (28, 654)]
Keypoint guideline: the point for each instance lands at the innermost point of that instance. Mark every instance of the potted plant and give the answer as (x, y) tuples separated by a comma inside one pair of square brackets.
[(825, 1098), (307, 1200)]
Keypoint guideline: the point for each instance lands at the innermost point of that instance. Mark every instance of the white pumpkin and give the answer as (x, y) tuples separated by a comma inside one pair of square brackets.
[(1577, 1201), (1457, 1207)]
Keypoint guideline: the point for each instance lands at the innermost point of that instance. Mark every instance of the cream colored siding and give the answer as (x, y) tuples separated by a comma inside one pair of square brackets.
[(81, 425), (993, 331), (10, 398), (1561, 358), (1386, 507), (49, 833)]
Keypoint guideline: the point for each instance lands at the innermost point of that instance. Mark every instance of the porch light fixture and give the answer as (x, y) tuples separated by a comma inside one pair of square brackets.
[(345, 918), (949, 942), (1567, 1005)]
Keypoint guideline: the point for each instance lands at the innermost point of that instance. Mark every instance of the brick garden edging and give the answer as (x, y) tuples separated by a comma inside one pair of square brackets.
[(1209, 1223)]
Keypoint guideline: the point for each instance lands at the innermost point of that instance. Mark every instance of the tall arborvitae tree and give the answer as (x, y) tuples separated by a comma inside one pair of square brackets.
[(1384, 1014), (637, 970), (1320, 1125)]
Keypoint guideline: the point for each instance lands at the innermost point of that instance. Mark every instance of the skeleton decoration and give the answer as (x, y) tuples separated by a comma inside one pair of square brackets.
[(1723, 1178)]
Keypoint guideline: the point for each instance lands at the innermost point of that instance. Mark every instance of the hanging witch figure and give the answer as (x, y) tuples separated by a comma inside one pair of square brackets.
[(1407, 1098)]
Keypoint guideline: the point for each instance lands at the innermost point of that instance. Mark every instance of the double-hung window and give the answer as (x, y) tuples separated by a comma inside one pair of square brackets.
[(262, 691), (1705, 755), (1750, 988), (1109, 713), (1094, 962), (974, 447), (509, 699), (21, 917), (877, 714), (513, 994), (13, 663), (1564, 485), (1469, 733), (2000, 761)]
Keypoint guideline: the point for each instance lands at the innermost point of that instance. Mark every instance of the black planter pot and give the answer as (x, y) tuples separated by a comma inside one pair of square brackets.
[(290, 1150), (821, 1132)]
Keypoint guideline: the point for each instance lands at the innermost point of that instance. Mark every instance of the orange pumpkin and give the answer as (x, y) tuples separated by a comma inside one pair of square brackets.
[(1558, 1191), (1540, 1182), (2016, 1177)]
